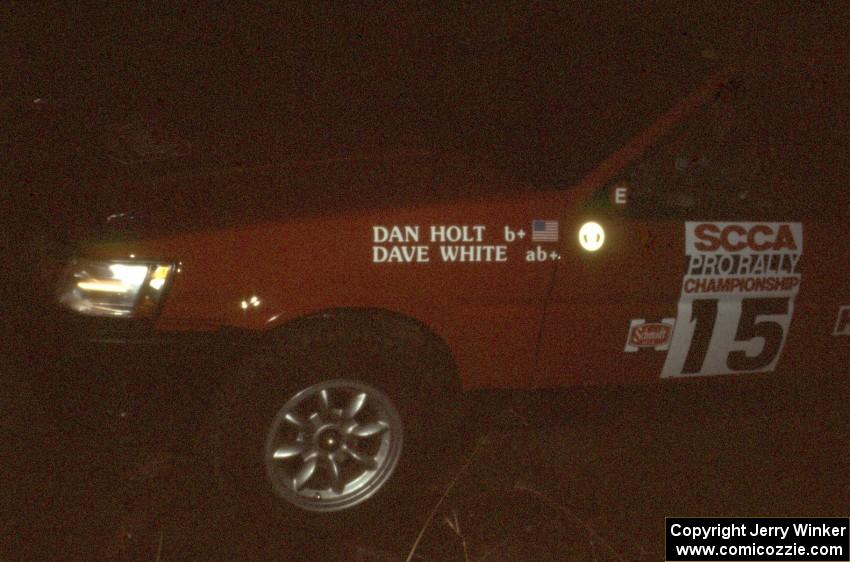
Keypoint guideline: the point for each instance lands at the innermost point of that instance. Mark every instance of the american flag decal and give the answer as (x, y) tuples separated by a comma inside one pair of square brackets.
[(544, 231)]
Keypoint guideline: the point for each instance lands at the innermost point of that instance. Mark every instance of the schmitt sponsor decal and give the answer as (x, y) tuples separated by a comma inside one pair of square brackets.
[(654, 335)]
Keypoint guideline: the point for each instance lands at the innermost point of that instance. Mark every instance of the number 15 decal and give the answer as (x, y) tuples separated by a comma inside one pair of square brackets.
[(719, 336), (737, 297)]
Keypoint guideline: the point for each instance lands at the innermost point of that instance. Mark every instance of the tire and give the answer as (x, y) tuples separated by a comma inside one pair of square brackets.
[(337, 426)]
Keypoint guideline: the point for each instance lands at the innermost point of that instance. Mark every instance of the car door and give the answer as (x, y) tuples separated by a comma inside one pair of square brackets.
[(697, 275), (611, 311)]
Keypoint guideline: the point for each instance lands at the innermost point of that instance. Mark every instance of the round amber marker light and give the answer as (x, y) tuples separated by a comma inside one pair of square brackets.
[(591, 236)]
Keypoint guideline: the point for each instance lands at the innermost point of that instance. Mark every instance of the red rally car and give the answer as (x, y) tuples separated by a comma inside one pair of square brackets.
[(360, 295)]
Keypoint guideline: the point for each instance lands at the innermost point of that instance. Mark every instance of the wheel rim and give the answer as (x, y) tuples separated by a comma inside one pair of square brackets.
[(333, 445)]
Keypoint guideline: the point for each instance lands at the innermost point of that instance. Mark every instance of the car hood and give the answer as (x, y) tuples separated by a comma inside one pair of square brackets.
[(244, 196)]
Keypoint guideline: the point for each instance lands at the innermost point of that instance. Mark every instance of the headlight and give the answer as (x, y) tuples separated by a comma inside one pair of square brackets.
[(112, 288)]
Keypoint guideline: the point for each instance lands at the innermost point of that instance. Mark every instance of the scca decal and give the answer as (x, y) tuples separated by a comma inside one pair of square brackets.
[(737, 297), (737, 237)]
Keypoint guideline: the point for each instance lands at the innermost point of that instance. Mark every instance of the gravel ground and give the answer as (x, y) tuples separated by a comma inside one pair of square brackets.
[(584, 476)]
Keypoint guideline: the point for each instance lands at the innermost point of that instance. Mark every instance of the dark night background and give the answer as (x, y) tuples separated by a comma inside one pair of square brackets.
[(543, 90)]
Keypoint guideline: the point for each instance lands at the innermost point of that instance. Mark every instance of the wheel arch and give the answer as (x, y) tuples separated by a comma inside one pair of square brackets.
[(402, 329)]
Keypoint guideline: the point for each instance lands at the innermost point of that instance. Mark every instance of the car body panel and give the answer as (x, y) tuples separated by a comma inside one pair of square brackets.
[(493, 310), (525, 313)]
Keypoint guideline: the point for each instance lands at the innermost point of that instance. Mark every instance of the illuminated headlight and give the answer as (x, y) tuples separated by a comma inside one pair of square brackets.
[(111, 288)]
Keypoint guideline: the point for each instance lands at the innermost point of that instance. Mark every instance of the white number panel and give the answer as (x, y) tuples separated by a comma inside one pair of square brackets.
[(737, 297)]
